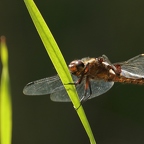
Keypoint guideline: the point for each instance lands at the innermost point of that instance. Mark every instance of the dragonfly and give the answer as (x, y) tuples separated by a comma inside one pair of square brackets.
[(92, 77)]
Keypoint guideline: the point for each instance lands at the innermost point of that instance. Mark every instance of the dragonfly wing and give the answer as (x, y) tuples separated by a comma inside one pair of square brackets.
[(98, 88), (62, 96), (54, 87), (43, 86), (106, 59), (135, 67)]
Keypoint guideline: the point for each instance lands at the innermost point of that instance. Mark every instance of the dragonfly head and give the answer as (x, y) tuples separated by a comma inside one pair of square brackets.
[(76, 67)]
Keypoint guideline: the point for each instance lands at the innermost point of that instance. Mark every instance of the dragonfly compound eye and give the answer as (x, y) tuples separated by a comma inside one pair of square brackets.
[(76, 67)]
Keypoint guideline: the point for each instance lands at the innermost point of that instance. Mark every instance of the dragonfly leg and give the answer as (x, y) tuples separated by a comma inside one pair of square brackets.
[(85, 97), (77, 82), (87, 86)]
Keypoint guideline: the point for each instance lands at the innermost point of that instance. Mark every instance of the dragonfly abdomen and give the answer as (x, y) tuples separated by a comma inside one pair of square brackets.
[(128, 80)]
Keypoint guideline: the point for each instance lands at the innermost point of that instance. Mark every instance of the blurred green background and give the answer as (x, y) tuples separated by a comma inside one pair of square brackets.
[(81, 28)]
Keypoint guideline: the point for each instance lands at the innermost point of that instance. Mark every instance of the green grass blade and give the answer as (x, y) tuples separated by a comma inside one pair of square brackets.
[(58, 62), (5, 98)]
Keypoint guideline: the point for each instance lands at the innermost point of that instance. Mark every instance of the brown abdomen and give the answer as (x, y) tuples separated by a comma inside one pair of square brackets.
[(128, 80)]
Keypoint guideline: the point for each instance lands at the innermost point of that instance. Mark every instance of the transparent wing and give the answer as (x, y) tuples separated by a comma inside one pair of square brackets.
[(54, 87), (134, 67), (43, 86), (98, 88)]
